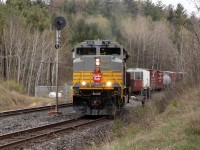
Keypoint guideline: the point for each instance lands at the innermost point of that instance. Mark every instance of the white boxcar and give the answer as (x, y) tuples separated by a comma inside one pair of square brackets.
[(140, 78)]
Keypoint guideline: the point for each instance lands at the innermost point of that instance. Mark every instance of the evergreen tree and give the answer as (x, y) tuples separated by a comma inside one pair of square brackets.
[(154, 11), (132, 7), (83, 31), (171, 14), (69, 7), (92, 7), (180, 20), (180, 16), (19, 4)]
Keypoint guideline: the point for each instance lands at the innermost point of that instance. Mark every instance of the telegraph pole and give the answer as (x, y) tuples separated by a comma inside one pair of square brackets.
[(4, 65), (59, 23), (50, 71)]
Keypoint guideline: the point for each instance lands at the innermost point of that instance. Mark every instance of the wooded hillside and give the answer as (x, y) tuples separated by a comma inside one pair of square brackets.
[(155, 35)]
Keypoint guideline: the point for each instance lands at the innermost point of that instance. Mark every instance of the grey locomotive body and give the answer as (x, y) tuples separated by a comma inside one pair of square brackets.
[(99, 77)]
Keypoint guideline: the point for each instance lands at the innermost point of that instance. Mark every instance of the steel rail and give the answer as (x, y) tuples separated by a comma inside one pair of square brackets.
[(17, 139), (30, 110)]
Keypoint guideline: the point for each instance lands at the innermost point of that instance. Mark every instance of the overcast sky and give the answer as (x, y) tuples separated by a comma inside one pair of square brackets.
[(187, 4)]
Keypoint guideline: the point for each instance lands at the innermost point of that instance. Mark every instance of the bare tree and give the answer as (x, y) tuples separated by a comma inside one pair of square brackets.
[(137, 34), (26, 51), (149, 42)]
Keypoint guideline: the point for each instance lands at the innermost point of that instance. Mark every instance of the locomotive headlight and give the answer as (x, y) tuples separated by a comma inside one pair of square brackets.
[(83, 83), (97, 61), (108, 83)]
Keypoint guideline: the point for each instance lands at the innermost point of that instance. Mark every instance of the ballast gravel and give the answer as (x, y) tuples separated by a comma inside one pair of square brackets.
[(78, 140), (30, 120)]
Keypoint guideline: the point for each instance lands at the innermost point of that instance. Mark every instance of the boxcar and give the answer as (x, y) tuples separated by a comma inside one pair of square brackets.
[(140, 79)]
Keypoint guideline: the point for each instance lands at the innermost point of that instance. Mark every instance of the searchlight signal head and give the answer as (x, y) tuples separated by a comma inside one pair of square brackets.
[(59, 23)]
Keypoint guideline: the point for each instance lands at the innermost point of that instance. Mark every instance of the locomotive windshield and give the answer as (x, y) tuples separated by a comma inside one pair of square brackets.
[(110, 51), (86, 51)]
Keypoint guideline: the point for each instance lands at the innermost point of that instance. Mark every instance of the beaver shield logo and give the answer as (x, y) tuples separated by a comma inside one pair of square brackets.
[(97, 77)]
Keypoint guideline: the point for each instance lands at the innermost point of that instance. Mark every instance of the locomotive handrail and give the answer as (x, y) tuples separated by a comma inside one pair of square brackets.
[(80, 76), (90, 79), (119, 84), (76, 81), (117, 81)]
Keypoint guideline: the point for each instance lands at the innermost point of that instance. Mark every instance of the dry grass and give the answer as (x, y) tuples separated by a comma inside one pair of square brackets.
[(12, 99), (174, 126)]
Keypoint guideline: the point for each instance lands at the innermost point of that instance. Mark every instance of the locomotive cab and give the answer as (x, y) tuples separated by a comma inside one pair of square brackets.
[(99, 77)]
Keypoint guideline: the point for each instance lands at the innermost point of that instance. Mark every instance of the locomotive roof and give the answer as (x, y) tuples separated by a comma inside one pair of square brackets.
[(99, 43)]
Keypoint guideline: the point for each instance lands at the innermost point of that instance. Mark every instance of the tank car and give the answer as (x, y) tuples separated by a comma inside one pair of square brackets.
[(99, 77), (166, 81), (171, 78)]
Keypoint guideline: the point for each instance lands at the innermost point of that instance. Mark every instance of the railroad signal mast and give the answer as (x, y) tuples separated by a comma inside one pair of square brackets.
[(59, 23)]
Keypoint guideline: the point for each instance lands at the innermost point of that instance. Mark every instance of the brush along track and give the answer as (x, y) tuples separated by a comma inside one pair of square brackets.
[(18, 140), (30, 110)]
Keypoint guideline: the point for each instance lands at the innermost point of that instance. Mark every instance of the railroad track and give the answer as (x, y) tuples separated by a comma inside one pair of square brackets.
[(20, 139), (30, 110)]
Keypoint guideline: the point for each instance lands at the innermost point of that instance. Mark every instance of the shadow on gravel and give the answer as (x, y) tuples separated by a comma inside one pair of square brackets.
[(92, 117)]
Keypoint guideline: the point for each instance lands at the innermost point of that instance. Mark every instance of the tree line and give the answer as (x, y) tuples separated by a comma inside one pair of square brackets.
[(156, 36)]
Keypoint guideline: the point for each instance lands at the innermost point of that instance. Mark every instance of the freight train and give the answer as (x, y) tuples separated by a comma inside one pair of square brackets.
[(152, 80), (102, 84), (99, 77)]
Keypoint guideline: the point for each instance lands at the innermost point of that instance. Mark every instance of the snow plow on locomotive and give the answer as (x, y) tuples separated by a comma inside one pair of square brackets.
[(99, 86)]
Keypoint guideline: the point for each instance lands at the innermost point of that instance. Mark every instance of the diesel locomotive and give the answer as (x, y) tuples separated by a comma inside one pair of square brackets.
[(100, 85)]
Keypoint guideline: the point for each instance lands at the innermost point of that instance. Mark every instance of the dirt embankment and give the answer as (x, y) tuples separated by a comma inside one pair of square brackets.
[(10, 99)]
